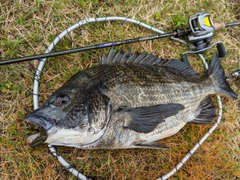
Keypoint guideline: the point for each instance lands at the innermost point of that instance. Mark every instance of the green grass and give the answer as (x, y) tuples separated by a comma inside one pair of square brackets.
[(27, 27)]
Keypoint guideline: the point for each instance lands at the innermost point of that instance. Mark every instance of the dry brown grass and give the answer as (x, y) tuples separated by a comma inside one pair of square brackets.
[(27, 27)]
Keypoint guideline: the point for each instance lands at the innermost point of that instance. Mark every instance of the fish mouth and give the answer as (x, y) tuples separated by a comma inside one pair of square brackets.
[(43, 124)]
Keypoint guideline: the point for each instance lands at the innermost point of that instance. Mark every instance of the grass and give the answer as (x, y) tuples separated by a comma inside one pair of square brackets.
[(28, 27)]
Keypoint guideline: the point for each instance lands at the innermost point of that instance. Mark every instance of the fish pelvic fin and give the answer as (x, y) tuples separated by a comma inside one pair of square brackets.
[(216, 73), (151, 145), (207, 113)]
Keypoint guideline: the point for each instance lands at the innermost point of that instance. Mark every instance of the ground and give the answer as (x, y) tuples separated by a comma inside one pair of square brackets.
[(28, 27)]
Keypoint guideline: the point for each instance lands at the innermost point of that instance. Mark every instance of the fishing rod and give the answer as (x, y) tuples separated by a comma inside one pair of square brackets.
[(199, 34), (86, 48)]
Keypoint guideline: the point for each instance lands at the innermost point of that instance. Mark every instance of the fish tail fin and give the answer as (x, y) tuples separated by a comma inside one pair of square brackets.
[(216, 73)]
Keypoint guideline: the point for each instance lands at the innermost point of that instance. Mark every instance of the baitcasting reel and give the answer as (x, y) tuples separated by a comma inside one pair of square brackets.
[(202, 28), (200, 33)]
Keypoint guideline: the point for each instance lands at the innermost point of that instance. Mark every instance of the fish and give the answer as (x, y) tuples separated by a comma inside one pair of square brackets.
[(128, 100)]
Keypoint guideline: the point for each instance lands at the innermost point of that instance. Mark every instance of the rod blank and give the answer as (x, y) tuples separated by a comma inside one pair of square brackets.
[(86, 48)]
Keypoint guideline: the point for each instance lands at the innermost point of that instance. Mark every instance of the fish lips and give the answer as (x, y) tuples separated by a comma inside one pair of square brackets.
[(44, 123)]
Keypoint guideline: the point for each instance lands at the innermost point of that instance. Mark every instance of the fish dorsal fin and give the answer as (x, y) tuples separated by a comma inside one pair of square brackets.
[(149, 59), (127, 57), (177, 65)]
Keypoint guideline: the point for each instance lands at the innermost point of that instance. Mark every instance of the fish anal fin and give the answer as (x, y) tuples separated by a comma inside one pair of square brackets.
[(208, 112), (145, 119), (151, 145)]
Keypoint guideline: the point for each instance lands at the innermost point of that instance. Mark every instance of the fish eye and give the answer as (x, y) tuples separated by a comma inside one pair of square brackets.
[(62, 99)]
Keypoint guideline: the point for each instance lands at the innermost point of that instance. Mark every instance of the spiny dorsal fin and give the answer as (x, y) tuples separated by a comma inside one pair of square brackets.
[(144, 58), (127, 57)]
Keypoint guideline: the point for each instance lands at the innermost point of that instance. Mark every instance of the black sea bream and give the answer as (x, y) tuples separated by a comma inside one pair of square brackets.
[(128, 101)]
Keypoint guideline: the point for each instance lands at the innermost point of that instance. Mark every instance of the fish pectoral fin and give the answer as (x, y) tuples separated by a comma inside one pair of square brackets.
[(152, 145), (145, 119), (208, 112)]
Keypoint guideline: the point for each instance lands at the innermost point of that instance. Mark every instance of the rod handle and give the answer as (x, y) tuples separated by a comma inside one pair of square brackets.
[(219, 26)]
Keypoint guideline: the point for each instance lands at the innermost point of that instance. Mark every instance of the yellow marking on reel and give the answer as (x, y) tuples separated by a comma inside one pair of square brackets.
[(207, 21)]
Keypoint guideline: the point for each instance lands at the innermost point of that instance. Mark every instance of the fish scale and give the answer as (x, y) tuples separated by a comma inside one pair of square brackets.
[(128, 101), (174, 90), (154, 94)]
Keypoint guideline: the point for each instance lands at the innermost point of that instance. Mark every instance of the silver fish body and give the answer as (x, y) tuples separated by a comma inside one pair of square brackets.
[(128, 101)]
